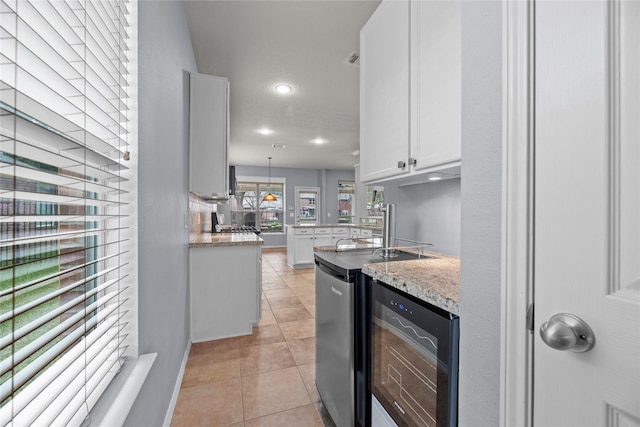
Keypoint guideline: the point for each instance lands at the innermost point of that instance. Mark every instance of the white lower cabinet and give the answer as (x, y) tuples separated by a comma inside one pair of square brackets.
[(225, 287), (322, 236), (303, 253), (301, 241), (338, 234)]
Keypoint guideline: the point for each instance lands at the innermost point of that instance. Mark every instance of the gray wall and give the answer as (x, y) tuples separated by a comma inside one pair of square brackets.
[(428, 213), (165, 56), (327, 180), (481, 213)]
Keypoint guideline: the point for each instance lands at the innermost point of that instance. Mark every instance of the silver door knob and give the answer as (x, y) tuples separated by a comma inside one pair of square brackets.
[(567, 332)]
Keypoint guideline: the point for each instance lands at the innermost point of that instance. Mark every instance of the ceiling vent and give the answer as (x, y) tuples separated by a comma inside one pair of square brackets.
[(354, 58)]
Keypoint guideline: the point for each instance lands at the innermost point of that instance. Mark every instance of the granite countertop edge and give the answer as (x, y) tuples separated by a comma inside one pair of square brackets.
[(434, 280), (367, 227), (217, 240)]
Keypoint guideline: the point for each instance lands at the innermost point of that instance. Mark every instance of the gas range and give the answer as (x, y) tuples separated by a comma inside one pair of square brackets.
[(241, 229)]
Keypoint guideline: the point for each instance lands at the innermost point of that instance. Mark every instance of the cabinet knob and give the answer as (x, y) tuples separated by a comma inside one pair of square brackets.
[(402, 164), (412, 161)]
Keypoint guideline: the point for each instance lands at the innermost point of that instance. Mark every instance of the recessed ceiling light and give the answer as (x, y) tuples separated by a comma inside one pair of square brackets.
[(318, 141), (283, 89), (264, 131)]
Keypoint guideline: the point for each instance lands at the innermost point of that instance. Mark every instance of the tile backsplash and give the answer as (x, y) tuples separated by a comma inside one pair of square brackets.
[(200, 214)]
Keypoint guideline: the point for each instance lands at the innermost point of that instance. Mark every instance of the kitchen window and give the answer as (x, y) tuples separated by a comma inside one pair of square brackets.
[(375, 200), (67, 104), (248, 208)]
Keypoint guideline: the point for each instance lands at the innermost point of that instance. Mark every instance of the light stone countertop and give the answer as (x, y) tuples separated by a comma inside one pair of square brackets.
[(354, 244), (434, 280), (224, 239), (365, 227)]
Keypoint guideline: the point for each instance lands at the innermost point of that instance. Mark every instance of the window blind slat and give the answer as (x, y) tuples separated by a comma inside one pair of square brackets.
[(64, 219), (8, 6), (23, 331), (53, 276), (37, 395), (65, 165), (60, 199), (63, 410), (60, 237), (63, 180), (59, 133), (101, 364), (22, 377)]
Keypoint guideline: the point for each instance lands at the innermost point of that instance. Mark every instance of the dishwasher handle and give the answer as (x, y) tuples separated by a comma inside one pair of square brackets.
[(331, 272)]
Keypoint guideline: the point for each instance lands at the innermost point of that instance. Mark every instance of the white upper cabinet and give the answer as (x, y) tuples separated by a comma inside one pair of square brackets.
[(384, 92), (410, 91), (436, 83), (208, 144)]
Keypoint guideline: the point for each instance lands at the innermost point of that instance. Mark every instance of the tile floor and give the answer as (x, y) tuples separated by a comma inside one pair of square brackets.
[(264, 379)]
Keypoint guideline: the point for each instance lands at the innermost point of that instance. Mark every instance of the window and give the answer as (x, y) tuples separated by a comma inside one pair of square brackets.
[(375, 200), (65, 115), (346, 191), (248, 208)]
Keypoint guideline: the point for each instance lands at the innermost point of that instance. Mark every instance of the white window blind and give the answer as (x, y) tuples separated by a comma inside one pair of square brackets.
[(64, 179)]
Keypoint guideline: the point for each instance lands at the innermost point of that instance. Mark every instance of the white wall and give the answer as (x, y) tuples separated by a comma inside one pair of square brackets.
[(481, 213), (165, 57), (428, 213)]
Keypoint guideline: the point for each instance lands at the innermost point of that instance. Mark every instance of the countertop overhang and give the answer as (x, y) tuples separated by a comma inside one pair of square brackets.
[(435, 280)]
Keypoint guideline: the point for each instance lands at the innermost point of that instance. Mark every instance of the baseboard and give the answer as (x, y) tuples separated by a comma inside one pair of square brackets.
[(176, 388)]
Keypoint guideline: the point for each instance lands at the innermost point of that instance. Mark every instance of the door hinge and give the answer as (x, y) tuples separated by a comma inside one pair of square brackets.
[(530, 314)]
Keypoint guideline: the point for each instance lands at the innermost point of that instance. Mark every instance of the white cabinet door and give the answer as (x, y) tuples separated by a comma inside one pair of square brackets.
[(338, 234), (366, 233), (410, 91), (224, 292), (322, 240), (208, 144), (384, 92), (303, 253), (436, 84)]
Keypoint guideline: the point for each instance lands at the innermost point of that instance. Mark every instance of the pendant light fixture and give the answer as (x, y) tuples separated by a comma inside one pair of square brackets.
[(269, 197)]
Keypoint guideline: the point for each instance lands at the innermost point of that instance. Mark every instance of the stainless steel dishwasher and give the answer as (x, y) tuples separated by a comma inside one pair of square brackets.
[(342, 356), (335, 319)]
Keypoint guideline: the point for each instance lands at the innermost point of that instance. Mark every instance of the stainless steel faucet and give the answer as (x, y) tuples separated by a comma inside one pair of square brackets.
[(389, 225)]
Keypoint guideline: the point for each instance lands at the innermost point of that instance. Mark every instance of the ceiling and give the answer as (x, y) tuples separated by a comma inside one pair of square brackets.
[(304, 43)]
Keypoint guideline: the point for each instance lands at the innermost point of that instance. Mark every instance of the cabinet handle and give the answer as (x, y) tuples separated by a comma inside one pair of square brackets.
[(412, 161), (401, 164)]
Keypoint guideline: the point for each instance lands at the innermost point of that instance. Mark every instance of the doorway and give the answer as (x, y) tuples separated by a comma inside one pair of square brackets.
[(572, 214), (307, 205)]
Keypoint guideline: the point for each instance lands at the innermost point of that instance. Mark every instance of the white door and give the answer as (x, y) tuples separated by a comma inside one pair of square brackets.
[(307, 205), (587, 210)]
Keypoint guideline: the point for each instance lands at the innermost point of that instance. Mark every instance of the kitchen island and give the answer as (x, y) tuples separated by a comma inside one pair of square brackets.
[(225, 275), (302, 239)]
